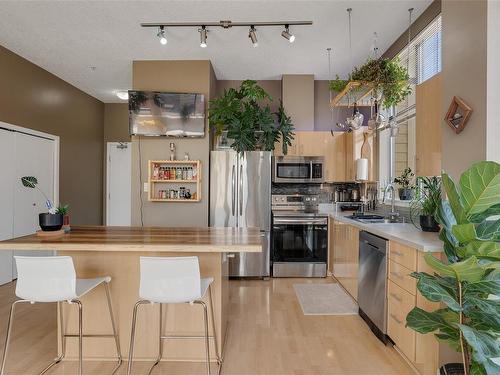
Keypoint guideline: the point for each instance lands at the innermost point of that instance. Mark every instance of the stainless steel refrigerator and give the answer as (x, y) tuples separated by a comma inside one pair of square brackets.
[(240, 197)]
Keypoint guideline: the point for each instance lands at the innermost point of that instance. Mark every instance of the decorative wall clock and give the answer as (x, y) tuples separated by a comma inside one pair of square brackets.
[(458, 114)]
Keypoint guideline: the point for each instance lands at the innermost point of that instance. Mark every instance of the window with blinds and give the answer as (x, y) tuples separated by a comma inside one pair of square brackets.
[(423, 59)]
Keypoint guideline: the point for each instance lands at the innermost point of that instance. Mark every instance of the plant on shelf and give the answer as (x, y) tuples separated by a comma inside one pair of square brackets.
[(51, 220), (249, 123), (425, 203), (468, 284), (405, 181), (64, 211), (387, 77)]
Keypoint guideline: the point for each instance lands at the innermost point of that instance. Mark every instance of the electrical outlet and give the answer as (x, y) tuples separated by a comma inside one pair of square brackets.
[(146, 187)]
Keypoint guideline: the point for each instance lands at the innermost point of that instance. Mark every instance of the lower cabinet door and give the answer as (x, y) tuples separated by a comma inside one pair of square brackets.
[(400, 303)]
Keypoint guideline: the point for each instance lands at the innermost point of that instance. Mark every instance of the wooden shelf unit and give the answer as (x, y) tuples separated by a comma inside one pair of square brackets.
[(358, 92), (154, 183)]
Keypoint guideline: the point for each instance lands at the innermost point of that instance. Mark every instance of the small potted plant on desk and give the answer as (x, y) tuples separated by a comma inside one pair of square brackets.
[(467, 282), (49, 221), (426, 202), (406, 189), (63, 210)]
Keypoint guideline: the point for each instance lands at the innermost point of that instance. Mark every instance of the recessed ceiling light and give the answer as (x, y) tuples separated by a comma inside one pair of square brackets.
[(162, 36), (203, 37), (286, 34), (123, 95), (253, 36)]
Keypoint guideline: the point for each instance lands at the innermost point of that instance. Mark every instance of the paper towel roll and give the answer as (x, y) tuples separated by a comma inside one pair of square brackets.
[(362, 169)]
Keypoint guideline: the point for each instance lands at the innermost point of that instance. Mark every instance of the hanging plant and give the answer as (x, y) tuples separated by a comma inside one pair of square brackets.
[(249, 123)]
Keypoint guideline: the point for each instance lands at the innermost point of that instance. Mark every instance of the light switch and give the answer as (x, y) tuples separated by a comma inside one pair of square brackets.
[(146, 187)]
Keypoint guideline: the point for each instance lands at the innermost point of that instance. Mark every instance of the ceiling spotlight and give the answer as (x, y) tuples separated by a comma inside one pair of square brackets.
[(253, 36), (162, 36), (123, 95), (203, 37), (286, 34)]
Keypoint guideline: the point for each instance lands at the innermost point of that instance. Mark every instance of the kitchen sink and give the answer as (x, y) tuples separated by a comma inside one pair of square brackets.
[(372, 219)]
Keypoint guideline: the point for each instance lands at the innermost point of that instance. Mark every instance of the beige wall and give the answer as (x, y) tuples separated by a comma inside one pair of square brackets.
[(174, 76), (297, 92), (34, 98), (116, 123), (464, 54)]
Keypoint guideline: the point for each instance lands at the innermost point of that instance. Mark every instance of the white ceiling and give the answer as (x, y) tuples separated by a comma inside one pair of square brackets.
[(67, 38)]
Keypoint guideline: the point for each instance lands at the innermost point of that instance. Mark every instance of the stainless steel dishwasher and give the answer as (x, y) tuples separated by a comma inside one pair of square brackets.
[(372, 283)]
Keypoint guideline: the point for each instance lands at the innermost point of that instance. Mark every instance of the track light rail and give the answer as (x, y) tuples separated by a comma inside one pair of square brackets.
[(226, 24)]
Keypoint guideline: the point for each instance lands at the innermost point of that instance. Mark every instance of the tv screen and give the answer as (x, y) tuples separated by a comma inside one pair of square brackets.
[(166, 114)]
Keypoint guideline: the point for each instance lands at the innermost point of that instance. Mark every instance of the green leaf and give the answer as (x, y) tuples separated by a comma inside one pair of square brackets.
[(482, 249), (483, 287), (485, 346), (29, 181), (454, 199), (489, 230), (425, 322), (480, 190), (477, 369), (464, 232), (468, 270), (437, 265), (432, 288)]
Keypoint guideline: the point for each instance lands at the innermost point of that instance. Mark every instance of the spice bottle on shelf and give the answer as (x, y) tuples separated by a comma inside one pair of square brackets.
[(156, 171), (178, 173), (190, 173), (195, 173)]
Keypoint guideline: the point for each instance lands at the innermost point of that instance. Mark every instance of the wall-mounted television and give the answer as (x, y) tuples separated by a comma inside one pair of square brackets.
[(167, 114)]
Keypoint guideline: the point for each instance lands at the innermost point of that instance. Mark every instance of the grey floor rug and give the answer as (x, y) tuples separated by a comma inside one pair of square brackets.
[(324, 299)]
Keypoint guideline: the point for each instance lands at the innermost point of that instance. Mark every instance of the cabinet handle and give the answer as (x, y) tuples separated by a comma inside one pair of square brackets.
[(230, 255), (395, 318), (398, 275), (395, 296)]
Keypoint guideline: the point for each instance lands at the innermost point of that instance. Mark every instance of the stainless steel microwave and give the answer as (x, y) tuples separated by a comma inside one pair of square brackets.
[(298, 169)]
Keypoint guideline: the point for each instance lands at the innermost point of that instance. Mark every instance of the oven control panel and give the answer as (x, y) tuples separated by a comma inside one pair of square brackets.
[(294, 202)]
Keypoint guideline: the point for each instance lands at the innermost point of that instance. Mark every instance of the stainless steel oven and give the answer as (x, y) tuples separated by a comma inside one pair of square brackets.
[(299, 245), (300, 169)]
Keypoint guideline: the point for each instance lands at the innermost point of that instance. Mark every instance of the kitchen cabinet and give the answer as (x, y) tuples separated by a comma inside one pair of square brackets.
[(428, 127), (329, 145), (402, 296), (345, 256)]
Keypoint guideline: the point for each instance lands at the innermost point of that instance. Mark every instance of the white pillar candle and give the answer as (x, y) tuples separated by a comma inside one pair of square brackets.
[(362, 169)]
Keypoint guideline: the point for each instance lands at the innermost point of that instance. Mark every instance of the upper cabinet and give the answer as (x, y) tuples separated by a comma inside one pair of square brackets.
[(298, 99), (428, 127)]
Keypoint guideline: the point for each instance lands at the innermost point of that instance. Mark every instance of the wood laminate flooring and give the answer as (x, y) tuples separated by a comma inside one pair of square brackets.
[(268, 335)]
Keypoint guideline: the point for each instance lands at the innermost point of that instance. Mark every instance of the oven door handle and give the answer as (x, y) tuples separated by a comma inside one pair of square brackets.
[(305, 221)]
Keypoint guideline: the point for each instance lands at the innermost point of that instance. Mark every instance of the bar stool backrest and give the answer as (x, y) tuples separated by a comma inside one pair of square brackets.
[(170, 279), (45, 279)]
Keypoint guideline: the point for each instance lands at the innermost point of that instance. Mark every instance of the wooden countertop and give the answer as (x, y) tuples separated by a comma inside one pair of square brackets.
[(103, 238)]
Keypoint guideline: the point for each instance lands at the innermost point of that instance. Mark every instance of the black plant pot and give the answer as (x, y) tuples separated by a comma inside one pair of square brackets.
[(428, 223), (50, 222), (452, 369), (405, 194)]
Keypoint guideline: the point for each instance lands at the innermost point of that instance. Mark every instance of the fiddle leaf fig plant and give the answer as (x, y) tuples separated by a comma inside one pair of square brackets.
[(249, 122), (467, 285)]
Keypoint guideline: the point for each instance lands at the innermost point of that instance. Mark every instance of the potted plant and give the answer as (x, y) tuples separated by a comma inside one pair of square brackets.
[(425, 203), (64, 210), (405, 181), (468, 284), (249, 124), (49, 221)]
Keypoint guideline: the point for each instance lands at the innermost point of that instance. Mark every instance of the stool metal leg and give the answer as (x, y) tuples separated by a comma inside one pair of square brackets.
[(9, 330), (207, 341), (117, 340), (160, 341), (63, 342), (80, 335), (214, 331), (132, 336)]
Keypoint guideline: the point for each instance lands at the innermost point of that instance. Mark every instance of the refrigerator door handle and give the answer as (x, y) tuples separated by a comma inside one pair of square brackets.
[(233, 197), (241, 190)]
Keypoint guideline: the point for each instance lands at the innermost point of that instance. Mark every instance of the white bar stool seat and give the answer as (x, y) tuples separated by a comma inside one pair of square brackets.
[(53, 279), (170, 280)]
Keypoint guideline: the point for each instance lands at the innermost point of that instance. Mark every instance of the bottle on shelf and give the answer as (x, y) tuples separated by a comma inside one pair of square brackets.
[(190, 173)]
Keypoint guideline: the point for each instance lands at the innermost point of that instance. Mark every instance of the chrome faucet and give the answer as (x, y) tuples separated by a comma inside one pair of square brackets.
[(393, 215)]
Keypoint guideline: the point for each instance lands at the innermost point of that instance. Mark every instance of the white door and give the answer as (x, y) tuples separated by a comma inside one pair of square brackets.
[(118, 183), (34, 156), (7, 170)]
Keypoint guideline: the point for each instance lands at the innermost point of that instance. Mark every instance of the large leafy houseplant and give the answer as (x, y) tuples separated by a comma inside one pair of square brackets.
[(468, 284), (249, 122)]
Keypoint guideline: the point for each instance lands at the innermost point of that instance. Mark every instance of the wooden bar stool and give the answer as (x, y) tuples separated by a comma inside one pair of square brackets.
[(174, 280), (53, 279)]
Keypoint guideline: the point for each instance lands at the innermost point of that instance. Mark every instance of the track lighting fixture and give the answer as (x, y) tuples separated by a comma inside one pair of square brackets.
[(203, 37), (227, 24), (162, 36), (253, 36), (286, 34)]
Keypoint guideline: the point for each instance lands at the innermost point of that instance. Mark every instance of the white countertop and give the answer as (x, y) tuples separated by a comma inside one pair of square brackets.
[(405, 233)]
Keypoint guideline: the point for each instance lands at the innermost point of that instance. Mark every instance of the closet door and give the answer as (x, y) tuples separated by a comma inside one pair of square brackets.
[(7, 170), (34, 156)]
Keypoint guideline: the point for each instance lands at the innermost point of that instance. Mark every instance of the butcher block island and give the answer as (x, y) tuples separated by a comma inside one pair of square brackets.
[(115, 251)]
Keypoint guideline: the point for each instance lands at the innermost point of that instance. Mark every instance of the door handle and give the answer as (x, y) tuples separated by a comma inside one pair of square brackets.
[(233, 197), (230, 255), (241, 190)]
